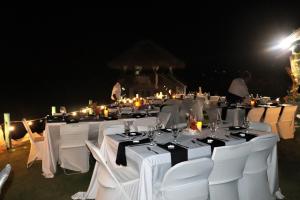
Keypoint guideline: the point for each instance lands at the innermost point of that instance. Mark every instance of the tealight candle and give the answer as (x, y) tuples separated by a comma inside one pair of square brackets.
[(199, 125), (252, 102)]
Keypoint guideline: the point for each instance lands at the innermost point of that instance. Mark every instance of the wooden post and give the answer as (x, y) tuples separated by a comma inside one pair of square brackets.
[(6, 130), (53, 110), (2, 140)]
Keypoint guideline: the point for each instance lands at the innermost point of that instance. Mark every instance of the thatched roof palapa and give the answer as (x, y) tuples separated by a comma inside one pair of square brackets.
[(147, 55)]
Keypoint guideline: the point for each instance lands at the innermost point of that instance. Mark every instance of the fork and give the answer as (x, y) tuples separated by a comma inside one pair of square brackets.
[(152, 150)]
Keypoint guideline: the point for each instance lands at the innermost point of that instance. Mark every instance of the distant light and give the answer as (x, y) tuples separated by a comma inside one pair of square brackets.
[(30, 123), (102, 107), (74, 113), (123, 88), (84, 110), (11, 128)]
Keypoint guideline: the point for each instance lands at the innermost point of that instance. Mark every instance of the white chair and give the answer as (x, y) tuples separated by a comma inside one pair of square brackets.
[(164, 118), (105, 125), (114, 184), (271, 118), (286, 122), (36, 145), (259, 126), (187, 180), (4, 175), (254, 183), (255, 114), (73, 153), (229, 164), (213, 100), (174, 114)]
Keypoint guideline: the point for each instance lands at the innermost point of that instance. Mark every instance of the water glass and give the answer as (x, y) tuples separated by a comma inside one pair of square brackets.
[(213, 128), (246, 123), (159, 126), (175, 133), (151, 135)]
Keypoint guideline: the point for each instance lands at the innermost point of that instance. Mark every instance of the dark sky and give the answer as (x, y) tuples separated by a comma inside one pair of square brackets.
[(59, 57)]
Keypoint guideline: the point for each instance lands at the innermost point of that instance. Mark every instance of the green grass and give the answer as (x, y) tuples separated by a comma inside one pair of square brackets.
[(29, 183)]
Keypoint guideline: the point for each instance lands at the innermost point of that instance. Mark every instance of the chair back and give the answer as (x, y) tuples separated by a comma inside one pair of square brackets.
[(213, 100), (229, 163), (288, 113), (4, 175), (187, 180), (272, 115), (261, 148), (73, 135), (28, 129), (174, 114), (108, 179), (255, 114), (164, 118), (259, 126)]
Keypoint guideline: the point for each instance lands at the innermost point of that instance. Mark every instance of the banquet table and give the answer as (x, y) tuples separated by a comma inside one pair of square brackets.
[(52, 137), (152, 166)]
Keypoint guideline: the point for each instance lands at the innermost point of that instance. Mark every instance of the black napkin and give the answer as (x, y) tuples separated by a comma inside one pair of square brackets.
[(248, 136), (178, 154), (166, 130), (213, 144), (55, 119), (236, 128), (121, 156)]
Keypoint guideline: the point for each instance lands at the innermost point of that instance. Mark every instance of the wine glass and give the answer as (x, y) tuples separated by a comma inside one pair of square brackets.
[(213, 128), (175, 133), (159, 125), (151, 135)]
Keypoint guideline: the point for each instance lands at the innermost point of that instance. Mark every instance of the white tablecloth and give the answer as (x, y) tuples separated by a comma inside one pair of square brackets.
[(152, 167), (52, 137)]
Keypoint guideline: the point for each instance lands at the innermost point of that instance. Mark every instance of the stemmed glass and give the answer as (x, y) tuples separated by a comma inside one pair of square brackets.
[(246, 124), (159, 125), (175, 133), (151, 135), (213, 128)]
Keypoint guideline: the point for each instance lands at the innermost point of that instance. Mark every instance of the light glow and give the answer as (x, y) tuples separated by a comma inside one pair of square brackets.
[(11, 128)]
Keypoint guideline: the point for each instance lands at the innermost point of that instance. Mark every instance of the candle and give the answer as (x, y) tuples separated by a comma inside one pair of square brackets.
[(105, 113), (252, 102), (199, 125), (137, 104), (137, 96)]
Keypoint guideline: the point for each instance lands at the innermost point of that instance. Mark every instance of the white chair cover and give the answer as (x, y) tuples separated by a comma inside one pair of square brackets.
[(164, 118), (271, 118), (254, 183), (187, 180), (174, 111), (255, 114), (73, 153), (259, 126), (286, 122), (197, 109), (105, 125), (114, 184), (4, 175), (36, 147), (229, 163), (213, 100)]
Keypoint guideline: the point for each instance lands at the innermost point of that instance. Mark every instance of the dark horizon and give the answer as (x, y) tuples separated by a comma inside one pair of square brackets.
[(60, 57)]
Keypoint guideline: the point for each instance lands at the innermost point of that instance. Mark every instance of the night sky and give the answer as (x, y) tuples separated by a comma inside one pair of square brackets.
[(59, 57)]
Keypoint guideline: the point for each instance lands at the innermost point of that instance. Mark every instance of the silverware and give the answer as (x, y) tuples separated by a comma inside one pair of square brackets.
[(193, 141), (152, 150), (183, 146)]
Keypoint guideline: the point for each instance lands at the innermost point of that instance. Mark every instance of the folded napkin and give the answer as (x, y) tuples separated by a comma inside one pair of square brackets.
[(121, 154), (247, 136), (214, 143), (178, 153)]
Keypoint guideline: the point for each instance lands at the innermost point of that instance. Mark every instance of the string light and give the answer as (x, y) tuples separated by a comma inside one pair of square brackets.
[(11, 128), (30, 123)]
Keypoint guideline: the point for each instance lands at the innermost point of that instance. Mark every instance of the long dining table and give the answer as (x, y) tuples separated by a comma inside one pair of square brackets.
[(151, 165), (51, 134)]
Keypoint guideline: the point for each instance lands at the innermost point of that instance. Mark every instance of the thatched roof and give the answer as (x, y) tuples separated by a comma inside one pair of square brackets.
[(146, 54)]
